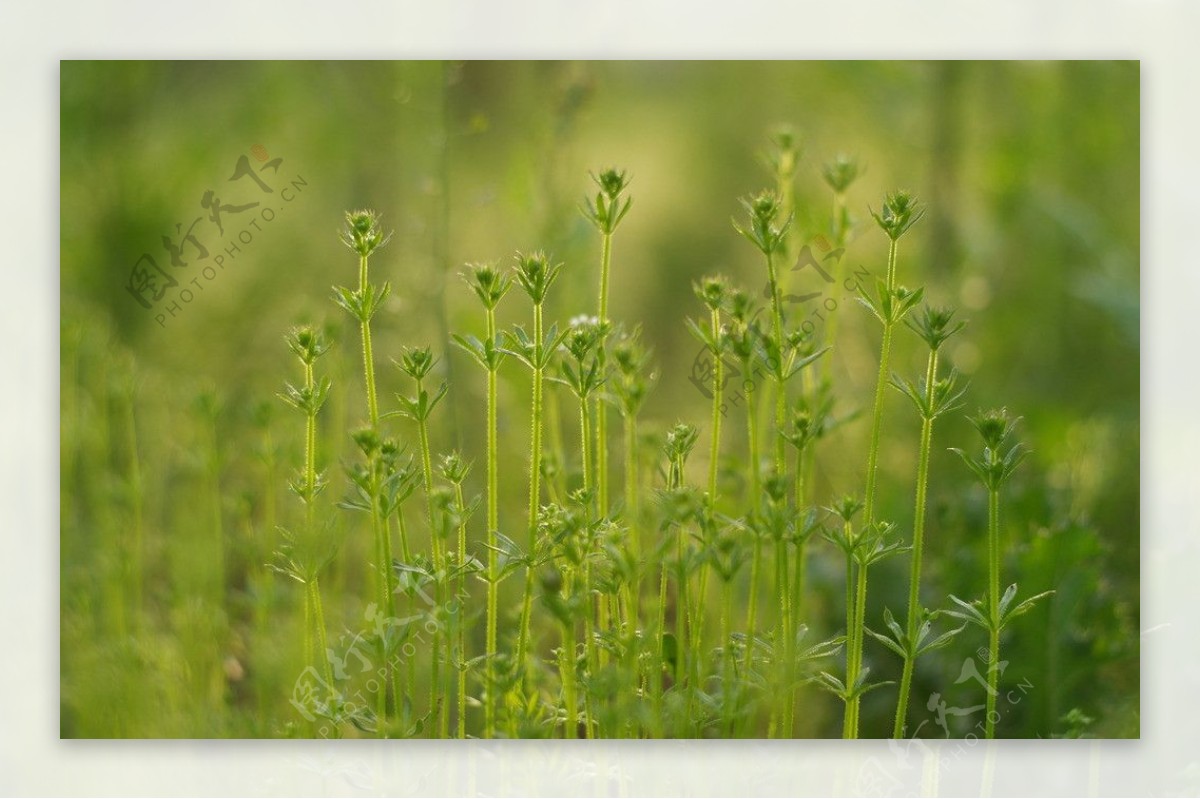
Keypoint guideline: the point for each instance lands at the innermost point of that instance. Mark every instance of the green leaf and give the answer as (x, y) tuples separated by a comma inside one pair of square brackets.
[(970, 613)]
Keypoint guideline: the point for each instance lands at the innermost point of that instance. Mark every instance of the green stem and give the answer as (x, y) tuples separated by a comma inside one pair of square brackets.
[(777, 331), (797, 591), (373, 414), (914, 582), (368, 359), (783, 631), (631, 510), (839, 241), (993, 608), (427, 482), (601, 406), (383, 580), (752, 437), (727, 679), (493, 523), (566, 668), (851, 615), (309, 627), (410, 663), (880, 384), (605, 260), (682, 613), (436, 704), (860, 609), (460, 615), (660, 628), (556, 488), (752, 609), (718, 384), (798, 581), (535, 471), (589, 607), (314, 586)]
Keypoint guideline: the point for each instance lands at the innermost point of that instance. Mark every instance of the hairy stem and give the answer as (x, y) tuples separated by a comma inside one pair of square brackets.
[(993, 608), (718, 385), (535, 471), (880, 385), (368, 359), (631, 511), (493, 523), (839, 241), (777, 332), (752, 607), (914, 580), (851, 615), (850, 726), (601, 406), (461, 615), (439, 569), (589, 606), (566, 668)]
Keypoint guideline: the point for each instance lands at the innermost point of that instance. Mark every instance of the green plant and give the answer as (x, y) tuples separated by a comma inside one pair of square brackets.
[(587, 555), (490, 286), (455, 470), (535, 274), (302, 558), (862, 547), (994, 468), (769, 234), (932, 397), (606, 212), (417, 363), (890, 305)]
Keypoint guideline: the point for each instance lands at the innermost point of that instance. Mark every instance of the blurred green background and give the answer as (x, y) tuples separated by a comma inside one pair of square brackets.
[(1030, 172)]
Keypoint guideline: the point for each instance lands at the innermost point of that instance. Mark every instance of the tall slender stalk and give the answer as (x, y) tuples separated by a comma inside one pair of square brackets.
[(439, 561), (993, 675), (900, 212), (535, 274), (862, 547), (756, 557), (914, 584), (490, 287), (727, 654), (839, 175), (589, 635), (605, 212), (881, 381), (848, 540), (566, 669), (808, 423), (493, 525), (462, 622), (931, 399), (454, 470), (779, 369), (850, 727), (601, 406), (300, 559), (535, 468), (714, 455), (994, 469), (630, 386)]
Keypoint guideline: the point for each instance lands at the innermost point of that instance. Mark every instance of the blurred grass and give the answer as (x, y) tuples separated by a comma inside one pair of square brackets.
[(1030, 172)]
